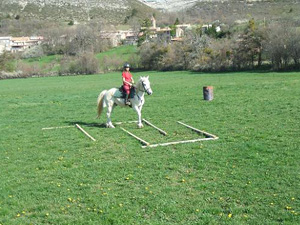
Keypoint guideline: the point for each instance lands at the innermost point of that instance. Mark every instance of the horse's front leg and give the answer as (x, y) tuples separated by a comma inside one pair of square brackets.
[(110, 108), (138, 111)]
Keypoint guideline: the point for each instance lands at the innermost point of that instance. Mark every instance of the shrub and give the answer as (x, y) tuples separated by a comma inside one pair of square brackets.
[(134, 61), (173, 59), (7, 62), (33, 52), (151, 53), (9, 75), (111, 63), (29, 70), (283, 47), (86, 63)]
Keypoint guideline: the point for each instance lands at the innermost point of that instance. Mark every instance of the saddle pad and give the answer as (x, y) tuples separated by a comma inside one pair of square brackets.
[(120, 93)]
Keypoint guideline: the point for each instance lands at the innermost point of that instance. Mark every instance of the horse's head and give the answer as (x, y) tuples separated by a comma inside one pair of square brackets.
[(146, 85)]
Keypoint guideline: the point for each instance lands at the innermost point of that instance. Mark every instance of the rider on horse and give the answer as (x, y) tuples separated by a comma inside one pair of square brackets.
[(127, 81)]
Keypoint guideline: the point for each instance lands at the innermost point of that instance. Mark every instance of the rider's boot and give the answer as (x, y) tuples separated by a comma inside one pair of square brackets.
[(127, 100)]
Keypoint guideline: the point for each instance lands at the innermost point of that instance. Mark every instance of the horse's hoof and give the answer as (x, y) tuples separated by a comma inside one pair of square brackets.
[(140, 125), (110, 126)]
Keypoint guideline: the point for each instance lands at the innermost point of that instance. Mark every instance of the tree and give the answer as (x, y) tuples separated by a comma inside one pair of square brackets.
[(283, 46), (133, 13), (173, 27), (173, 58), (151, 53), (251, 25), (6, 62), (294, 49), (85, 63), (81, 41), (249, 48), (146, 22)]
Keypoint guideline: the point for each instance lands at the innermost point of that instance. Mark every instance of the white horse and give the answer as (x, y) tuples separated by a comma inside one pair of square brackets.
[(112, 97)]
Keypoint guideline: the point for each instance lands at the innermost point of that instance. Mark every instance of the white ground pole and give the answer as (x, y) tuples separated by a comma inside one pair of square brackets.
[(136, 137), (178, 142), (198, 131), (150, 124), (86, 133), (211, 137), (51, 128), (119, 123)]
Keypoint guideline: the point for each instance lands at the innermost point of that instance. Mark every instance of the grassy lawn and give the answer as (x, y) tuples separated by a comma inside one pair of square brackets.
[(44, 60), (123, 52), (48, 64), (114, 58), (249, 176)]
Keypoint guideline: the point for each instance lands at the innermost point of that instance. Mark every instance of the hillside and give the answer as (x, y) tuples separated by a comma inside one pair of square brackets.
[(115, 11), (112, 11), (177, 5), (229, 11), (239, 11), (165, 5)]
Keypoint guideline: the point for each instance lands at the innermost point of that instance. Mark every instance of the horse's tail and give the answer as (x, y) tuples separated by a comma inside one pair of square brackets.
[(100, 103)]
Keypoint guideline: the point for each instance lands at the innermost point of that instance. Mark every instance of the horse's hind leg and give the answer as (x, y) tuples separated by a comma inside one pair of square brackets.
[(110, 108)]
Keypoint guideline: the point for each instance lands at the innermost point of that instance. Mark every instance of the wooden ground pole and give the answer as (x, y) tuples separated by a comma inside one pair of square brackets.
[(136, 137), (86, 133)]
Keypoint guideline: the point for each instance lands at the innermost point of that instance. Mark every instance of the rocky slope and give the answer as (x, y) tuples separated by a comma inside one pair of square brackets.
[(109, 10), (167, 5), (230, 11), (177, 5), (115, 11)]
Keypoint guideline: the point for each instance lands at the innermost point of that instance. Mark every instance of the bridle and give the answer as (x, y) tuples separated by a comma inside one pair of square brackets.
[(146, 89)]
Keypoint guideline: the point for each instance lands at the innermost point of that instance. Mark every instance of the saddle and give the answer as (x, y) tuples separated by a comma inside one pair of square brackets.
[(122, 93)]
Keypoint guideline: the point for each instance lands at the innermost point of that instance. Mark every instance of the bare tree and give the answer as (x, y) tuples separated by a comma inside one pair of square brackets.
[(294, 48), (81, 40), (283, 46)]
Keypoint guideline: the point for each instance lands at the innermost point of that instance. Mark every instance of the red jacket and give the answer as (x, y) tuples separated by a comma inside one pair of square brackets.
[(127, 75)]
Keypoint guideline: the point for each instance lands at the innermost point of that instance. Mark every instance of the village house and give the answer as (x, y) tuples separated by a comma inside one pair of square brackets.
[(181, 29), (5, 44), (130, 37), (18, 44), (156, 32), (119, 37), (216, 25), (116, 38)]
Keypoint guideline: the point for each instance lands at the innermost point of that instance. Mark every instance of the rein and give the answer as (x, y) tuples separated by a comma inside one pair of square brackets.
[(145, 90)]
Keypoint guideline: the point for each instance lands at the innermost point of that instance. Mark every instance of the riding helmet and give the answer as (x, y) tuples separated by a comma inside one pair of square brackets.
[(126, 65)]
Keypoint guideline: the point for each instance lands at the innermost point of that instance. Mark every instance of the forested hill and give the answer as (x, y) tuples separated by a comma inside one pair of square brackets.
[(112, 11)]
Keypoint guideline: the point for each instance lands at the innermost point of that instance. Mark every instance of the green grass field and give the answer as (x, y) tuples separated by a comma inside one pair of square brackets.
[(249, 176), (123, 52)]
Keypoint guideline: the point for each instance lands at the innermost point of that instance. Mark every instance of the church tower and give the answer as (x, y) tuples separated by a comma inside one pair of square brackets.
[(153, 22)]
